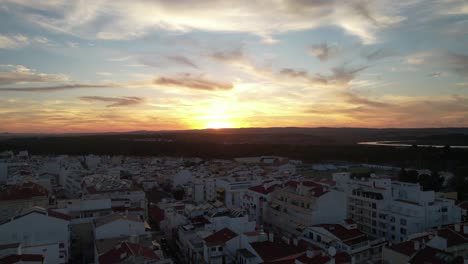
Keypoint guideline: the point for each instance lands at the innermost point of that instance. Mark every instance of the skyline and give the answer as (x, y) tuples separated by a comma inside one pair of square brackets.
[(73, 67)]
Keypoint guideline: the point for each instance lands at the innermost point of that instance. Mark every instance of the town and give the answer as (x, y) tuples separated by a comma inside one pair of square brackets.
[(247, 210)]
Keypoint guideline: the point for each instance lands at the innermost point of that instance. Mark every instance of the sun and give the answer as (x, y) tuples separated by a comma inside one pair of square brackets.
[(219, 124)]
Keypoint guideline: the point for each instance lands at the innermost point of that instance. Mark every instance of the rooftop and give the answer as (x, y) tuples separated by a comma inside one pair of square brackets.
[(26, 190), (220, 237)]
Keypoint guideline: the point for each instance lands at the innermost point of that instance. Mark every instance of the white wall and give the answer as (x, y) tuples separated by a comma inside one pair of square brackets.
[(120, 227), (35, 229)]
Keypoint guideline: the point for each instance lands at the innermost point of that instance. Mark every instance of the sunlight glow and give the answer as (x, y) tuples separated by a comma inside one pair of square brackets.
[(219, 124)]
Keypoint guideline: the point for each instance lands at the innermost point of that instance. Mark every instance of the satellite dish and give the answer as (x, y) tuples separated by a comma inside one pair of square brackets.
[(332, 251)]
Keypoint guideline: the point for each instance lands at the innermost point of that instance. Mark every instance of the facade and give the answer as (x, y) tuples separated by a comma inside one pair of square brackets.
[(298, 205), (394, 210), (49, 236), (345, 238), (231, 190), (255, 200), (116, 225), (18, 197)]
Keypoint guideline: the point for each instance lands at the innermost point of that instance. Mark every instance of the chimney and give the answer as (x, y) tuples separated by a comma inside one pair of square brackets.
[(295, 242), (457, 227), (416, 245), (271, 237), (310, 253)]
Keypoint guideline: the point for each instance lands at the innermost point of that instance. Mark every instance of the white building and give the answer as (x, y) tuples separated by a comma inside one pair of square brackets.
[(256, 198), (394, 210), (230, 190), (116, 225), (40, 232), (297, 205)]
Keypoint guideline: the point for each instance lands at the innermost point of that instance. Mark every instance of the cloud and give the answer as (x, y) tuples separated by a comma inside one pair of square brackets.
[(182, 61), (228, 56), (379, 54), (323, 51), (264, 18), (418, 58), (456, 63), (19, 74), (435, 74), (53, 88), (340, 76), (13, 42), (191, 82), (115, 101), (356, 99)]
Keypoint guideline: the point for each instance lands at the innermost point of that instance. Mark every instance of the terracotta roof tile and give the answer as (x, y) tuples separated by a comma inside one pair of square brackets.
[(222, 236)]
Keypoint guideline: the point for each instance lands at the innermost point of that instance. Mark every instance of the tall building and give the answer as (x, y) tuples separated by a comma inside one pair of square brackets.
[(394, 210), (298, 205)]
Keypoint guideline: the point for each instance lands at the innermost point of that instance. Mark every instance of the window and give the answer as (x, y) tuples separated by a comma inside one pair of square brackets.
[(319, 238), (403, 231), (311, 235), (213, 249), (220, 249), (374, 205), (403, 221)]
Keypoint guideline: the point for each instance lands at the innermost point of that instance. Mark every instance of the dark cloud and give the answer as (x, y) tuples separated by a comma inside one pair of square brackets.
[(457, 63), (115, 101), (17, 74), (323, 51), (435, 74), (362, 101), (339, 76), (183, 61), (294, 73), (343, 75), (231, 55), (379, 54), (192, 82), (362, 9), (53, 88)]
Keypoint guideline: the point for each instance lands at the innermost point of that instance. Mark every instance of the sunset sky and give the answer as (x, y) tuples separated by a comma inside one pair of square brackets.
[(95, 66)]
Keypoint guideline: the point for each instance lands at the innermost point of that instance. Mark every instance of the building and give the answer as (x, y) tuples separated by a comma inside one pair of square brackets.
[(256, 199), (394, 210), (116, 225), (298, 205), (23, 196), (346, 238), (231, 190), (40, 232)]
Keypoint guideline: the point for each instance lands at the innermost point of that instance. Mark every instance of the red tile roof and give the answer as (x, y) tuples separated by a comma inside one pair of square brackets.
[(319, 258), (24, 191), (156, 214), (434, 256), (453, 238), (199, 221), (342, 233), (125, 250), (463, 205), (273, 252), (222, 236), (261, 189), (58, 215), (21, 258), (407, 247)]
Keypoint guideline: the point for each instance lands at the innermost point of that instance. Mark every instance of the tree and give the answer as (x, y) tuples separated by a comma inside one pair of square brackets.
[(178, 194), (408, 176)]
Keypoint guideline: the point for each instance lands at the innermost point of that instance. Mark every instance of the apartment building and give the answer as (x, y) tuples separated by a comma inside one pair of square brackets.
[(394, 210), (297, 205)]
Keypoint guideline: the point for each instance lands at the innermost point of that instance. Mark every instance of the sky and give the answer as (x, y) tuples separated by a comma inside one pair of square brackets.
[(113, 65)]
